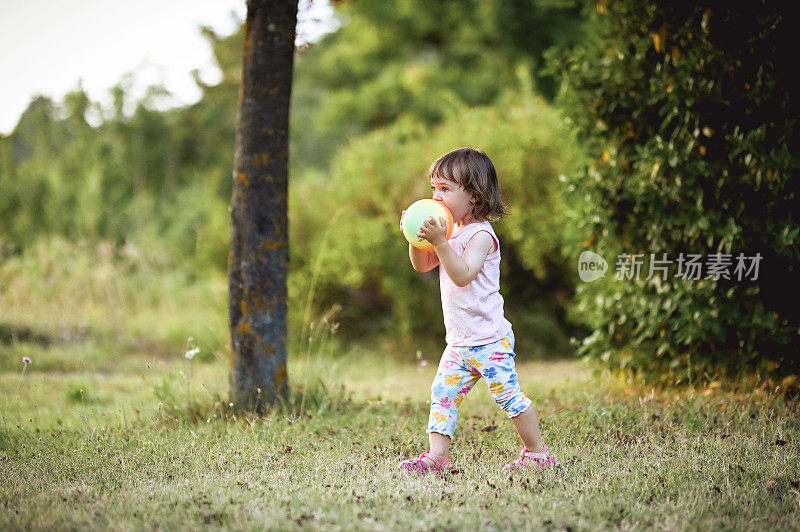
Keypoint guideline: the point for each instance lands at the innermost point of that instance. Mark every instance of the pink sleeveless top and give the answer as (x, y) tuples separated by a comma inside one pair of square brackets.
[(473, 314)]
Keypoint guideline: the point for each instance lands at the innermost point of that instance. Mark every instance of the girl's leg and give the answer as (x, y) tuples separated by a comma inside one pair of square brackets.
[(527, 425), (440, 444), (496, 364), (452, 383)]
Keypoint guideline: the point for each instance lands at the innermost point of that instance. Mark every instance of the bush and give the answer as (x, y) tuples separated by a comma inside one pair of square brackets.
[(687, 113)]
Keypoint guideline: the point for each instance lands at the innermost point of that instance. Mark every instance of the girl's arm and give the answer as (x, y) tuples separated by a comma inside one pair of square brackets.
[(461, 270), (423, 261)]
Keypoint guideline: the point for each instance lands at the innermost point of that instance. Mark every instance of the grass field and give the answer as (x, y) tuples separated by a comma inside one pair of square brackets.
[(111, 427), (151, 443)]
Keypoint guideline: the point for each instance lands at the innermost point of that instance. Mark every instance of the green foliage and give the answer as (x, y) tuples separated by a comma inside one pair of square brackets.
[(419, 60), (687, 113)]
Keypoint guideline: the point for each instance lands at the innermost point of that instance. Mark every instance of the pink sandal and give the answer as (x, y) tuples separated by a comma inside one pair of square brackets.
[(529, 459), (419, 466)]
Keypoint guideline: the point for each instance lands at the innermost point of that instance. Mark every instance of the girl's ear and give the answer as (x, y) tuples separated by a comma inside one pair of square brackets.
[(473, 203)]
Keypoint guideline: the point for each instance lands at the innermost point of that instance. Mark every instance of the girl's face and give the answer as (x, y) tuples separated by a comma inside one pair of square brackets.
[(455, 197)]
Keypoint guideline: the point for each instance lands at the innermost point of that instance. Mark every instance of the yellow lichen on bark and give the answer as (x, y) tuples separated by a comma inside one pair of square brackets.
[(261, 159), (270, 244), (248, 42), (244, 327), (280, 377), (241, 179)]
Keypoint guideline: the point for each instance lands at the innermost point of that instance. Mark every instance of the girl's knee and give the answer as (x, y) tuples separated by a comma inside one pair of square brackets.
[(514, 402)]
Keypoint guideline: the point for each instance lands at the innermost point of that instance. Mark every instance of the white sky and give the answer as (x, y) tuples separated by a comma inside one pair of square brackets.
[(47, 46)]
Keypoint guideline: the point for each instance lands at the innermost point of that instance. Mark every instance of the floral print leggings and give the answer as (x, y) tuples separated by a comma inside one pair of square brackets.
[(461, 367)]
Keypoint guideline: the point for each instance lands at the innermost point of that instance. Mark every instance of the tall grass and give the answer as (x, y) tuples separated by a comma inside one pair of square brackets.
[(134, 297)]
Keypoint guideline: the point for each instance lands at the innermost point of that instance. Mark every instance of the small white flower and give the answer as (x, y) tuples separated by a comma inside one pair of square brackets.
[(192, 352), (26, 360)]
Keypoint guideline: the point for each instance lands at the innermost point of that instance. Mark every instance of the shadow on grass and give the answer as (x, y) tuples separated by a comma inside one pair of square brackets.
[(65, 348), (303, 401)]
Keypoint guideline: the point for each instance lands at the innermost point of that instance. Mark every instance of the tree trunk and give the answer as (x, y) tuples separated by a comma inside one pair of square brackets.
[(258, 262)]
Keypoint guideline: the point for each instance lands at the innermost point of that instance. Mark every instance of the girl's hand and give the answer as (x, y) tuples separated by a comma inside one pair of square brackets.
[(435, 233), (401, 220)]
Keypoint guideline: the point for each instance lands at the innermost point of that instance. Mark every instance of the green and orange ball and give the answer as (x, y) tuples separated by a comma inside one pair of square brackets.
[(415, 216)]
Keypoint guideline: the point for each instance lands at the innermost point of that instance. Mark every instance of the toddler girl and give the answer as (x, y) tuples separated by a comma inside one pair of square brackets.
[(480, 342)]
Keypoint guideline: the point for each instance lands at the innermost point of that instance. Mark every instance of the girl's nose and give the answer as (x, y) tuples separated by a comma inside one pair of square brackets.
[(437, 196)]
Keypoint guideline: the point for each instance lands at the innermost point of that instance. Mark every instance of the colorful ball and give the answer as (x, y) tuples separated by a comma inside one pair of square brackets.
[(415, 216)]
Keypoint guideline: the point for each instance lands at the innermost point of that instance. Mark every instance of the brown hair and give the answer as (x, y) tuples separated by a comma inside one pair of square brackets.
[(473, 170)]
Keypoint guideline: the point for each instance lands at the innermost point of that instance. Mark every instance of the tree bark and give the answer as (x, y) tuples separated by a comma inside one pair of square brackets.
[(258, 262)]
